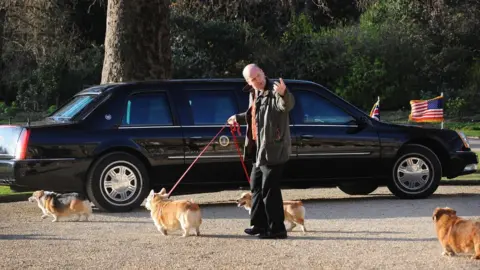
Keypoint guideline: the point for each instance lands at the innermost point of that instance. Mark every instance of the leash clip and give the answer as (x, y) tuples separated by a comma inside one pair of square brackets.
[(236, 127)]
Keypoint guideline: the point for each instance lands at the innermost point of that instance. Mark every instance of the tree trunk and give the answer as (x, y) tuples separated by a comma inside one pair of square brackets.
[(3, 14), (137, 41)]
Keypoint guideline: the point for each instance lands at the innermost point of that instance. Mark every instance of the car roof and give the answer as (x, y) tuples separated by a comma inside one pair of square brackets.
[(102, 88), (97, 89)]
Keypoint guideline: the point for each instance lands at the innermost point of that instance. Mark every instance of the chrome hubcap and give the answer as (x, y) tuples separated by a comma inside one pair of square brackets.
[(413, 173), (120, 183)]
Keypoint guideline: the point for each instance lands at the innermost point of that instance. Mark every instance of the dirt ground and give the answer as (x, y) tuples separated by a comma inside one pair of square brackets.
[(344, 232)]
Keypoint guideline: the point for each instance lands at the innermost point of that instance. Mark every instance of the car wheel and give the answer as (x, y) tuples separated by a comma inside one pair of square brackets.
[(361, 188), (117, 182), (416, 173)]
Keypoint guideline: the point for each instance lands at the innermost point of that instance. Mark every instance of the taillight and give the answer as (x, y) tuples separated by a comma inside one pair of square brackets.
[(21, 151)]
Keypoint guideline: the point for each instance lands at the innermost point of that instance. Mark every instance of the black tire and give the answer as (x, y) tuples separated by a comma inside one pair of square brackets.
[(421, 187), (123, 163), (360, 188)]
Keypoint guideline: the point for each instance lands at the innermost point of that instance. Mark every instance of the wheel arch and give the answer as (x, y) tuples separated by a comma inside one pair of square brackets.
[(125, 149), (433, 145)]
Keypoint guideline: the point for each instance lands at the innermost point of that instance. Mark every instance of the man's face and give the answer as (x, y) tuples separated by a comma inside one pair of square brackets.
[(256, 79)]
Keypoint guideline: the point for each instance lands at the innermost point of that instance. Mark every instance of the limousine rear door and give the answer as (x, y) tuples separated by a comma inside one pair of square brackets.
[(208, 106), (150, 122)]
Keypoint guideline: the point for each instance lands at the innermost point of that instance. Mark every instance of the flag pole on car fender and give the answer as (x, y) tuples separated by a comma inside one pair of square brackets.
[(441, 125)]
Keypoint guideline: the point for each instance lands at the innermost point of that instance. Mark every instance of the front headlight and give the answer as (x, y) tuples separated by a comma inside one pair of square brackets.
[(464, 139)]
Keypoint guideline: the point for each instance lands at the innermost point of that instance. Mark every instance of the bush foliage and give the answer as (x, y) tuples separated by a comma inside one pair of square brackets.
[(396, 49)]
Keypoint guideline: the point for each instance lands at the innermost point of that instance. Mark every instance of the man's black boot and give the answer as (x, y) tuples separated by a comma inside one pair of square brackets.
[(254, 231)]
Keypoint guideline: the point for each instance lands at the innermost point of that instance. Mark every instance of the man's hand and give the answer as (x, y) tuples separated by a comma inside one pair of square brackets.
[(280, 87), (232, 120)]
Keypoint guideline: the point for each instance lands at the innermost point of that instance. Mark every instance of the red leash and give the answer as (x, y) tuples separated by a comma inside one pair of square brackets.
[(233, 128), (236, 127)]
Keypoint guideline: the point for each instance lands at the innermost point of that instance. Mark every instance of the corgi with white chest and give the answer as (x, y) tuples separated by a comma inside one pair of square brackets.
[(294, 210), (169, 215), (61, 205)]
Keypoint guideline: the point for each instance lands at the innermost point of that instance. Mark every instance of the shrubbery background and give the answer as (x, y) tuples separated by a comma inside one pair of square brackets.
[(396, 49)]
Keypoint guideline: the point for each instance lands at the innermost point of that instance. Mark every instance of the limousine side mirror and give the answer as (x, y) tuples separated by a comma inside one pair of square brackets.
[(363, 121)]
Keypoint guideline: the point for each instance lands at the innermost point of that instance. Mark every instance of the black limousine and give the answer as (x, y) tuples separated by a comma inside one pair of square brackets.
[(117, 141)]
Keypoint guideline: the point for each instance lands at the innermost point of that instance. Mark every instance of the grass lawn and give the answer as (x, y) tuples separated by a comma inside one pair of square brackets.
[(472, 133), (5, 191), (469, 129)]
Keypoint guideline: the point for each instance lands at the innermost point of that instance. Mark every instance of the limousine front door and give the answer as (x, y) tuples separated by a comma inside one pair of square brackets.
[(331, 144)]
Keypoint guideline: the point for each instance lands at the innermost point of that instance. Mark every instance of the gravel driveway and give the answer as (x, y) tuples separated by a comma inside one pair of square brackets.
[(345, 232)]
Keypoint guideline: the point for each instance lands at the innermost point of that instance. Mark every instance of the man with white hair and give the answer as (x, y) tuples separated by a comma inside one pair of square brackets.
[(268, 145)]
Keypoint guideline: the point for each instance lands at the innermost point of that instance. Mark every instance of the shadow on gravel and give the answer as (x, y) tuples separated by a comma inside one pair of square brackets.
[(294, 236), (32, 237), (388, 197), (226, 236), (333, 238), (122, 221), (355, 232), (364, 207)]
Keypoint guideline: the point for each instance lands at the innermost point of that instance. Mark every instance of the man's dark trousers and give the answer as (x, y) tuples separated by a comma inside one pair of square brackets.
[(267, 202)]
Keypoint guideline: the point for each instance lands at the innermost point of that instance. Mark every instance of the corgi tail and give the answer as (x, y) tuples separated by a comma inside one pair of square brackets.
[(193, 215), (82, 207), (301, 219), (88, 207), (192, 206)]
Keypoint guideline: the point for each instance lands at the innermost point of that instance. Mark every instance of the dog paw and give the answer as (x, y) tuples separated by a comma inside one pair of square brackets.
[(44, 216), (447, 253), (475, 257), (162, 231)]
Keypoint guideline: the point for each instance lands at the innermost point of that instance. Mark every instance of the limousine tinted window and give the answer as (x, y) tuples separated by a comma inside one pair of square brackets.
[(212, 107), (147, 109), (317, 110)]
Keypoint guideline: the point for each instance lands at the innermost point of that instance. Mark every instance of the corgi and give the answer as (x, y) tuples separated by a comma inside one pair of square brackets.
[(169, 215), (294, 210), (61, 205), (456, 235)]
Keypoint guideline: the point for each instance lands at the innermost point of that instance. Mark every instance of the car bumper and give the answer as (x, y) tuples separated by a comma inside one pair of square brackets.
[(47, 174), (462, 163)]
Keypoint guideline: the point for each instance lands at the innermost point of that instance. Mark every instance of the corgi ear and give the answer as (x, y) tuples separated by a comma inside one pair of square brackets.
[(151, 192), (163, 191)]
